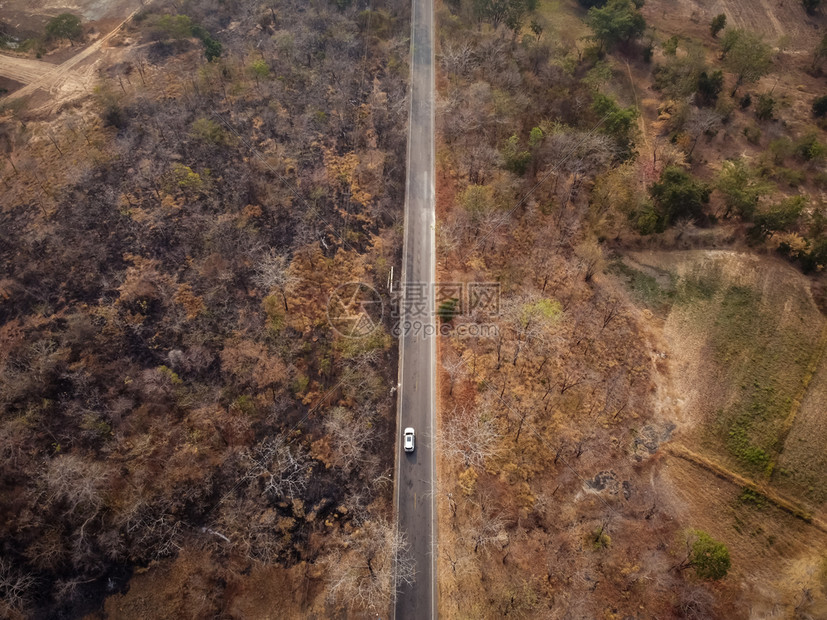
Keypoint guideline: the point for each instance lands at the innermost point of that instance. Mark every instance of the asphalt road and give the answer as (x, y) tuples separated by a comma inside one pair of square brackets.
[(415, 501)]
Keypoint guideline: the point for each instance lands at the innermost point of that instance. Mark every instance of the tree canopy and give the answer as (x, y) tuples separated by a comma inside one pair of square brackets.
[(617, 22), (708, 557), (746, 55), (619, 123), (718, 24), (741, 188), (678, 195), (64, 26), (509, 12)]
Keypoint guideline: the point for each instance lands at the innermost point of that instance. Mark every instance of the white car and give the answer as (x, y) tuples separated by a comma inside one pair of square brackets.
[(408, 440)]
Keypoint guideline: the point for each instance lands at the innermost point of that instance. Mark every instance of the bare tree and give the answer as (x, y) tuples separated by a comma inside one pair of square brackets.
[(76, 484), (470, 435), (486, 527), (281, 470), (351, 433), (14, 588), (702, 121), (591, 258), (273, 272), (455, 368), (367, 569)]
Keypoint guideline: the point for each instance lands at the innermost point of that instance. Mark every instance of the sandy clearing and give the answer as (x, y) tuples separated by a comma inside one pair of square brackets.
[(61, 82), (24, 70)]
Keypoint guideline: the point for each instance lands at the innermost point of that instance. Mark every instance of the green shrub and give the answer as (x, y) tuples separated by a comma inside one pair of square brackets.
[(448, 309), (790, 176), (709, 86), (708, 557), (619, 123), (516, 160), (752, 134), (809, 148), (740, 187), (780, 217), (765, 107), (718, 24), (176, 27), (781, 149), (678, 195), (64, 26)]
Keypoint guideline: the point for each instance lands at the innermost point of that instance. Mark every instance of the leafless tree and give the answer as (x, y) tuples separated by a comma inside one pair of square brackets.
[(273, 272), (702, 121), (470, 435), (591, 258), (455, 368), (14, 588), (695, 602), (281, 469), (151, 528), (370, 565), (457, 58), (77, 484), (351, 433), (487, 525)]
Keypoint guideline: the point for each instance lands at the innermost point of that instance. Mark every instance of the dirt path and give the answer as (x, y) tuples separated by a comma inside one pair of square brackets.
[(722, 472), (61, 81)]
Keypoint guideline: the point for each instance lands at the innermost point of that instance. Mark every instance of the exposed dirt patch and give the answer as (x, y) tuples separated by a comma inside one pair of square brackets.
[(30, 16), (8, 86), (775, 556), (771, 18), (74, 78)]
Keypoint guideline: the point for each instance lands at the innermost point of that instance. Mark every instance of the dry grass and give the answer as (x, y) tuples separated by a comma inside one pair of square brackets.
[(751, 358), (770, 18)]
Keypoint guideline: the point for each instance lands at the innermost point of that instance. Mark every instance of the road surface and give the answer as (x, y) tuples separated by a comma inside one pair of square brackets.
[(415, 500)]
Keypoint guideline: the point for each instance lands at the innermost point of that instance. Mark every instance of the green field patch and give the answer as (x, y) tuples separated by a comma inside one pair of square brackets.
[(766, 361), (644, 288)]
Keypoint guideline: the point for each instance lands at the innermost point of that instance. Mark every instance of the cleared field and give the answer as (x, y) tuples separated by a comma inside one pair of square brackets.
[(743, 337), (775, 556), (802, 466), (771, 18), (24, 70), (29, 16)]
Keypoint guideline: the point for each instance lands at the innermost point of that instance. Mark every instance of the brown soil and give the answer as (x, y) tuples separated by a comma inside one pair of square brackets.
[(8, 86), (772, 18), (776, 557), (776, 554), (30, 16)]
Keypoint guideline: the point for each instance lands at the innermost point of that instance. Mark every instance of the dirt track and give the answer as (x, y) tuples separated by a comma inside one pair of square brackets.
[(738, 480), (63, 82)]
